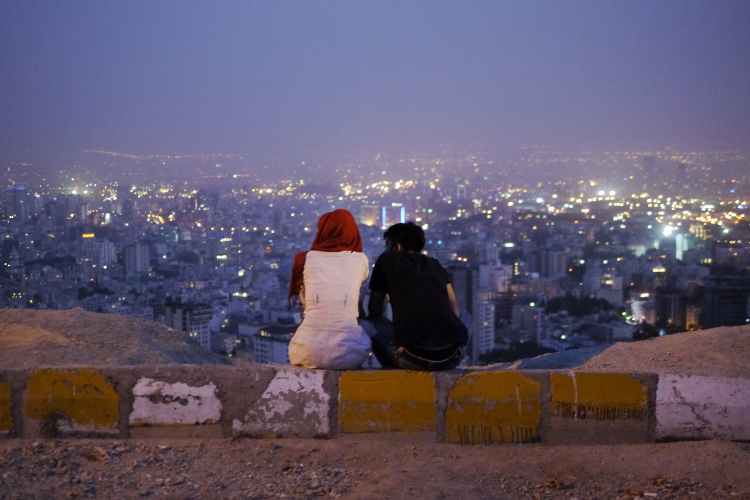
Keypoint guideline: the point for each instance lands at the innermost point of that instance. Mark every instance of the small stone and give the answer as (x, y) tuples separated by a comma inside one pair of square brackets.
[(99, 453)]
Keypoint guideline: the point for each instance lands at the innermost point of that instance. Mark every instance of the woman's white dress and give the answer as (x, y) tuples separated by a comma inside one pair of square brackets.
[(329, 336)]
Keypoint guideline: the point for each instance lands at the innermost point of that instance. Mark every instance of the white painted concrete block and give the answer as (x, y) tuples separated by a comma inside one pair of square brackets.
[(697, 407), (161, 403), (294, 404)]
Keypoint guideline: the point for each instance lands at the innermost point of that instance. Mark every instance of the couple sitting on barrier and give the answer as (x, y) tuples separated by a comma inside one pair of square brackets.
[(428, 332)]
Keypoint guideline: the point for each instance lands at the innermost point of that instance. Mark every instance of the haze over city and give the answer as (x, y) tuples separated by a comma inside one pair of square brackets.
[(296, 80)]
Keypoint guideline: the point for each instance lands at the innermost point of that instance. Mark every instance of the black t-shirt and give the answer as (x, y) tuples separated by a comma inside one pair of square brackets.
[(417, 288)]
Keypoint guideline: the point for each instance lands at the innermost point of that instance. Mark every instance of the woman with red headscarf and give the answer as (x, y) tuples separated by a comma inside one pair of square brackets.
[(326, 280)]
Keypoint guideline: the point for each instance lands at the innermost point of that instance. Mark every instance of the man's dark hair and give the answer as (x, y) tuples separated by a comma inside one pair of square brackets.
[(409, 235)]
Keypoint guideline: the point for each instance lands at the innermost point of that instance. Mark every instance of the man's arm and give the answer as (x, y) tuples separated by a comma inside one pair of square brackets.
[(376, 305), (453, 302)]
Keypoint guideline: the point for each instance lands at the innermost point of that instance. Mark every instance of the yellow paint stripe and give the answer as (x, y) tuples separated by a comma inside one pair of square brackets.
[(598, 396), (6, 419), (83, 397), (386, 401), (494, 407)]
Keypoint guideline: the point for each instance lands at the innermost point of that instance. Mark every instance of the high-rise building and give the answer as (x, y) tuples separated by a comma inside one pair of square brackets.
[(592, 277), (136, 259), (392, 214), (670, 309), (484, 329), (683, 243), (461, 190), (17, 203), (271, 344), (699, 230), (465, 283), (528, 321), (496, 278), (191, 318), (94, 255), (725, 301), (15, 264), (549, 263)]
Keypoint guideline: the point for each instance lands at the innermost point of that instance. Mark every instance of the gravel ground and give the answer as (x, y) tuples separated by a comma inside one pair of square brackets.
[(368, 469)]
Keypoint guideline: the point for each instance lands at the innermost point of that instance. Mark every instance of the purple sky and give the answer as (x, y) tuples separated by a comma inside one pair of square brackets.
[(286, 76)]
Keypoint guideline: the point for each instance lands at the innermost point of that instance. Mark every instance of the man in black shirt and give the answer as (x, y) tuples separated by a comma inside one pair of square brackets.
[(428, 330)]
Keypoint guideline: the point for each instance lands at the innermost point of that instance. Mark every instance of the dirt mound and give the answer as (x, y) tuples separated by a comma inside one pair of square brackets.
[(76, 337), (721, 352)]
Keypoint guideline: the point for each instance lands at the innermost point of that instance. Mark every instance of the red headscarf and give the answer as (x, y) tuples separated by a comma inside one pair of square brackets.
[(337, 232)]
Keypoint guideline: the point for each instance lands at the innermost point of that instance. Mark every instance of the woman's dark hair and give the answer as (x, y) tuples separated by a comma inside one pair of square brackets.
[(409, 235)]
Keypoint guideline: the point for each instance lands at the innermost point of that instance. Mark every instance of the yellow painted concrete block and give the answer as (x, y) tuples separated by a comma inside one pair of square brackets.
[(6, 419), (386, 401), (494, 407), (598, 396), (74, 400)]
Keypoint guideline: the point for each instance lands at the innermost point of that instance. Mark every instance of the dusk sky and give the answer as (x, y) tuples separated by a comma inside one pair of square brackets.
[(339, 77)]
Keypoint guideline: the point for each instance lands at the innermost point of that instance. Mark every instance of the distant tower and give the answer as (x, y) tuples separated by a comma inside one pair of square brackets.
[(16, 203), (461, 191), (191, 318), (550, 263), (725, 301), (136, 259), (15, 263), (483, 325), (465, 282), (592, 277), (392, 215)]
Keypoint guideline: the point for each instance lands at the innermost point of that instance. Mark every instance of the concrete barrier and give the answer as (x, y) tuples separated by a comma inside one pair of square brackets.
[(296, 403), (157, 403), (494, 407), (479, 407), (601, 408), (696, 407), (70, 403), (388, 402)]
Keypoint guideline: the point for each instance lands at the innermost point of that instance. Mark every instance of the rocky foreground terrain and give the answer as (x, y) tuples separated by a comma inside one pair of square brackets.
[(302, 469)]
